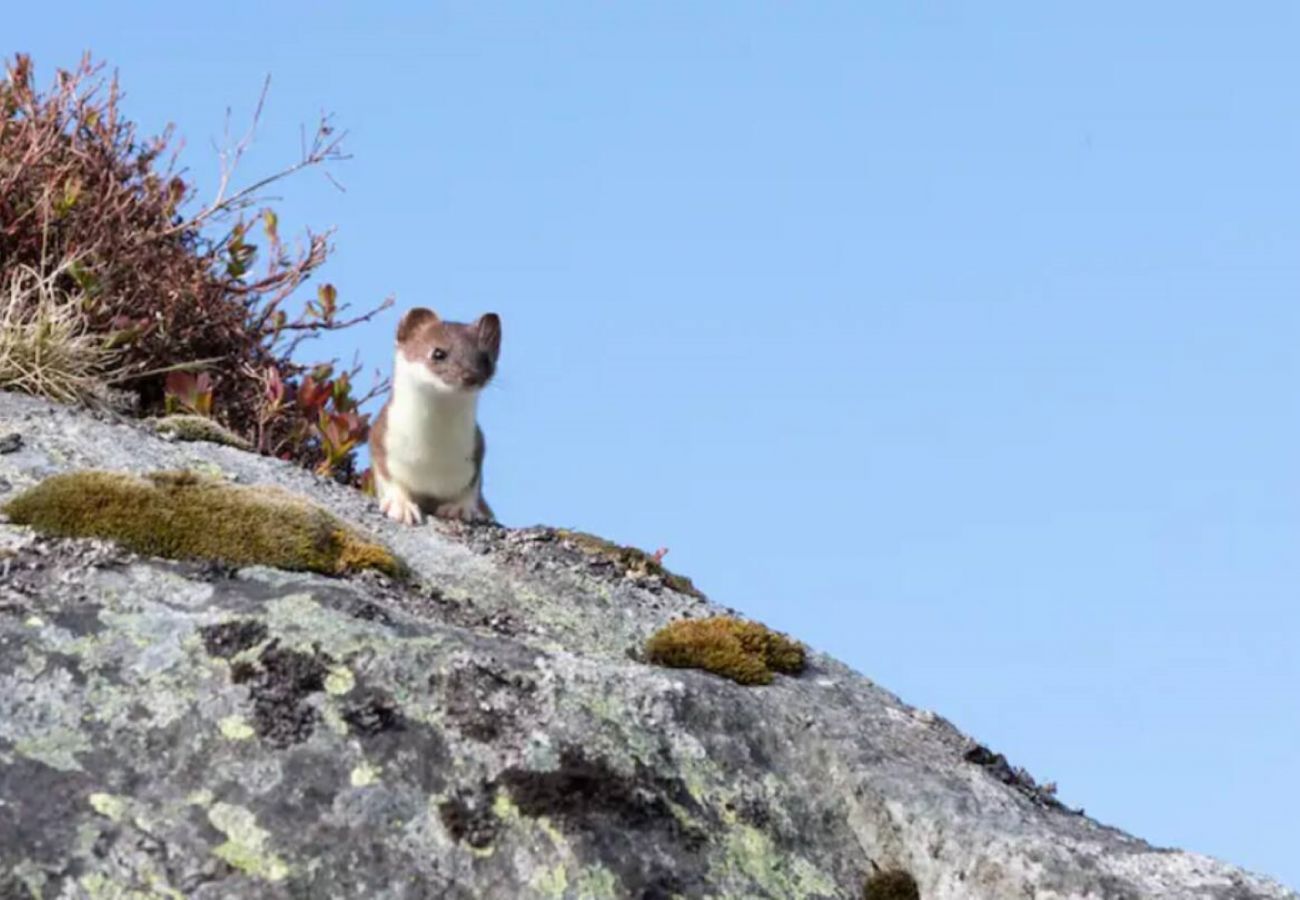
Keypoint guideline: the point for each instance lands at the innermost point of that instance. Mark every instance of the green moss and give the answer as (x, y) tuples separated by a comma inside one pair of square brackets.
[(745, 652), (891, 884), (180, 515), (198, 428), (629, 559)]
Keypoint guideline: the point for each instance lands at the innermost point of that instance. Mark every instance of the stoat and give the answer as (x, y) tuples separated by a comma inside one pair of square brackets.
[(426, 447)]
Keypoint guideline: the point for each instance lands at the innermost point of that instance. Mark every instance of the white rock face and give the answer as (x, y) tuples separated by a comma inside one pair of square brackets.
[(485, 731)]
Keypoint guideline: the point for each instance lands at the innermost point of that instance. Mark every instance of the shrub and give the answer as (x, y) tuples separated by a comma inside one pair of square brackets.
[(180, 515), (192, 300), (745, 652)]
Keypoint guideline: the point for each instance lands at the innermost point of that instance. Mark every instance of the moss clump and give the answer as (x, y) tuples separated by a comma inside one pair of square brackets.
[(180, 515), (745, 652), (184, 427), (631, 560), (891, 884)]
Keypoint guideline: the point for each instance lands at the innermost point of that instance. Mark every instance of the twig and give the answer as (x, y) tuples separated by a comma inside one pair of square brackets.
[(190, 366)]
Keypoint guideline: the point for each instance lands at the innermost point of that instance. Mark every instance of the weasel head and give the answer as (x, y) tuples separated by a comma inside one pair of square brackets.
[(447, 357)]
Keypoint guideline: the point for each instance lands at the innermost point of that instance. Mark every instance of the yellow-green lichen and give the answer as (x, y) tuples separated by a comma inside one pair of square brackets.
[(752, 852), (630, 560), (364, 774), (597, 882), (34, 663), (184, 427), (299, 621), (333, 719), (504, 808), (180, 515), (236, 728), (745, 652), (551, 882), (57, 748), (245, 846), (339, 681), (108, 805), (32, 877), (98, 886), (147, 883), (891, 884)]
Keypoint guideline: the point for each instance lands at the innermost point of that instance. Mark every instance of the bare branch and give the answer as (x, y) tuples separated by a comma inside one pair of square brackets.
[(338, 325), (325, 148)]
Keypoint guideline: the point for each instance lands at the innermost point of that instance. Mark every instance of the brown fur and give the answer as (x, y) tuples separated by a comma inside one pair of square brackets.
[(469, 351), (378, 457)]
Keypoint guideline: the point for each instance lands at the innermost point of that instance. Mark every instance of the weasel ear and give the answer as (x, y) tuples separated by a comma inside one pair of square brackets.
[(488, 328), (412, 320)]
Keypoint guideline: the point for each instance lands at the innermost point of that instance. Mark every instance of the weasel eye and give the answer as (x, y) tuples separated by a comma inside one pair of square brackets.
[(438, 354)]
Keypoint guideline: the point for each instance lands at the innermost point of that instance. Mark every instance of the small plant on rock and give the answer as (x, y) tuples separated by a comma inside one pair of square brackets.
[(745, 652)]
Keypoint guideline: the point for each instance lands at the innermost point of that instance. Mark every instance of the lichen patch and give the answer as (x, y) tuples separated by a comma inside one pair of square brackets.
[(246, 843)]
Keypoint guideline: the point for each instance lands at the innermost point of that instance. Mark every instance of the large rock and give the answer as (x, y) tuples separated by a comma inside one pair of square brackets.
[(181, 729)]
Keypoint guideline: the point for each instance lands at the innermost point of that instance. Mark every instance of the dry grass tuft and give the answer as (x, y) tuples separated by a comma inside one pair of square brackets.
[(46, 346)]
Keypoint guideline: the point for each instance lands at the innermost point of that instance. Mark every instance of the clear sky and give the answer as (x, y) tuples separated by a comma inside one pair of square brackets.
[(962, 341)]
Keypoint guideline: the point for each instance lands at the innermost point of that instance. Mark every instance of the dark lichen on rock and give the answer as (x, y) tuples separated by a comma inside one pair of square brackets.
[(631, 561), (616, 815), (745, 652), (279, 682), (469, 817), (582, 787), (891, 884), (480, 699), (227, 639), (181, 515), (372, 712), (997, 766)]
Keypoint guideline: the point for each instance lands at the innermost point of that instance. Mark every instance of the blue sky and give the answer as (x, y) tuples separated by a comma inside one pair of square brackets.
[(962, 343)]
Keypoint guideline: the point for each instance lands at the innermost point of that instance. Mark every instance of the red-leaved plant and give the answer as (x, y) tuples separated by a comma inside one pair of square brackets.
[(196, 299)]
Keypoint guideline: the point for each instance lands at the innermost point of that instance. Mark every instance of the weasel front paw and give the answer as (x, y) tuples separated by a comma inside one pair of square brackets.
[(400, 509)]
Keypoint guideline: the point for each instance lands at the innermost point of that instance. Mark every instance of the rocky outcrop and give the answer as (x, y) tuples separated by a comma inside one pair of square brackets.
[(486, 727)]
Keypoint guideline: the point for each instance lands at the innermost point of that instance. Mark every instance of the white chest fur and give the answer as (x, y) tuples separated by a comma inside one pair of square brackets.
[(430, 437)]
